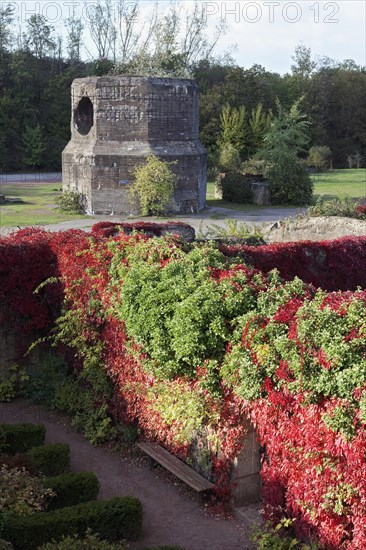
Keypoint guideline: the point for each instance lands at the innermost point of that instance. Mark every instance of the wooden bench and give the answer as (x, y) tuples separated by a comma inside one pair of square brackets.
[(181, 470)]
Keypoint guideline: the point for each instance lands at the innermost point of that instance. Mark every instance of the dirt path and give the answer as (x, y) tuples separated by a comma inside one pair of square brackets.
[(171, 516)]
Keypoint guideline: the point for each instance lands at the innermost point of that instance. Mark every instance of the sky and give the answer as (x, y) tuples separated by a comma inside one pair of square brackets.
[(258, 32)]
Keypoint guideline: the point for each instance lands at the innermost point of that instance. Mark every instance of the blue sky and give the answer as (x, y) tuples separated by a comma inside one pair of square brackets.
[(263, 32)]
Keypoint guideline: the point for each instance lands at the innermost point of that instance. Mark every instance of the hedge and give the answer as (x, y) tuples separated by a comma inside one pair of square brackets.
[(20, 438), (114, 519), (51, 460), (72, 488)]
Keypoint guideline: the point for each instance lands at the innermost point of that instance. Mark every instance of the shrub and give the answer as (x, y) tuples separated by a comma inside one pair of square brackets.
[(340, 206), (49, 373), (19, 438), (235, 187), (72, 488), (20, 492), (70, 201), (233, 230), (88, 542), (51, 460), (153, 186), (13, 383), (361, 211), (115, 519), (229, 158), (320, 157)]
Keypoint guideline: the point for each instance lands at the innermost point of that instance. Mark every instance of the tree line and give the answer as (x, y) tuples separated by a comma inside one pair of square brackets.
[(37, 68)]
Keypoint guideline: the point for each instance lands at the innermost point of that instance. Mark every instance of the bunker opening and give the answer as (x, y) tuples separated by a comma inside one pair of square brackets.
[(83, 116)]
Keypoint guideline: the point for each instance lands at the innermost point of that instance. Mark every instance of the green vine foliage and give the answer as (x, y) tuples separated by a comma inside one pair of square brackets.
[(177, 311)]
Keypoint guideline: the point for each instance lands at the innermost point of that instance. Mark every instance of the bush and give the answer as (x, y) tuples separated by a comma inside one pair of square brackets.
[(229, 158), (87, 542), (115, 519), (20, 492), (71, 202), (49, 373), (344, 206), (289, 182), (51, 460), (19, 438), (72, 488), (320, 157), (12, 383), (153, 186), (235, 187)]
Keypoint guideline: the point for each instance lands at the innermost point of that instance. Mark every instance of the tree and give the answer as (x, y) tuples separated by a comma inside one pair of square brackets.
[(161, 52), (34, 145), (259, 124), (153, 186), (304, 66), (6, 19), (39, 39), (102, 28), (285, 140), (233, 129), (74, 36)]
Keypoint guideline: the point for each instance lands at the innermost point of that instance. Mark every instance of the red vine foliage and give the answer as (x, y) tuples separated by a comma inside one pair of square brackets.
[(314, 470)]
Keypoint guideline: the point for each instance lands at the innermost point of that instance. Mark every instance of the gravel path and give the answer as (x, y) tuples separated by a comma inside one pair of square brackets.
[(171, 515)]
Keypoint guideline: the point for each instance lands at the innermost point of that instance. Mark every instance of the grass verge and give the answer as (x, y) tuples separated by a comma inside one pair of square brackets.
[(38, 206)]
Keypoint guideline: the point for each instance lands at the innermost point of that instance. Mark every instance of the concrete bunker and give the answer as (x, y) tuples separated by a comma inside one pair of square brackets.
[(116, 121)]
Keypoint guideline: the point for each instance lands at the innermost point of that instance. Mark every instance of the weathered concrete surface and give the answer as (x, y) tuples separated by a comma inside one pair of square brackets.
[(314, 229), (245, 475), (261, 194), (116, 121)]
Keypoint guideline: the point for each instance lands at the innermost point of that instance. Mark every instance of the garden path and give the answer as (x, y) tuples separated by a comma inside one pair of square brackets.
[(171, 515)]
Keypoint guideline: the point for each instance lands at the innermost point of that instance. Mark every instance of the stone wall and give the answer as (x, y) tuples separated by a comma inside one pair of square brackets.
[(314, 229), (116, 121)]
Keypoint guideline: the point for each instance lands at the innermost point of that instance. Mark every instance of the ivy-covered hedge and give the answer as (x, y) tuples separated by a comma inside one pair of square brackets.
[(330, 265), (194, 340), (114, 519), (19, 438)]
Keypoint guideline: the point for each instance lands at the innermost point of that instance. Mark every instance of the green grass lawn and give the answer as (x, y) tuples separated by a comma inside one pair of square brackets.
[(340, 182), (39, 200), (330, 184), (38, 206)]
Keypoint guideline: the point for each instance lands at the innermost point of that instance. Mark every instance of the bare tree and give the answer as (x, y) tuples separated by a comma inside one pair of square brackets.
[(74, 35), (39, 38), (134, 33), (102, 28), (6, 19), (173, 43)]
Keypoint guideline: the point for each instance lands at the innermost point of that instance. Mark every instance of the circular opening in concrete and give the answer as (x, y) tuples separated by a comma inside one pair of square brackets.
[(83, 116)]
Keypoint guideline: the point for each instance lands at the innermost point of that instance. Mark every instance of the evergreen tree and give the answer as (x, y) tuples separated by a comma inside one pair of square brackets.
[(34, 146), (286, 139)]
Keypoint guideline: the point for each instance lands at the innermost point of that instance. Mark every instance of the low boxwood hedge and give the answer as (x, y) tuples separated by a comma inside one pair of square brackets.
[(72, 488), (19, 438), (51, 460), (88, 542), (114, 519)]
